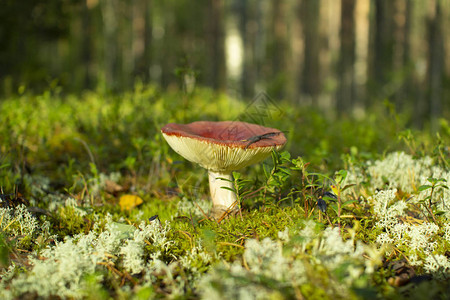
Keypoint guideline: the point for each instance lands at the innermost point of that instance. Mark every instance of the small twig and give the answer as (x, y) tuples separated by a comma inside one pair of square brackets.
[(128, 276), (186, 234), (250, 195), (244, 262), (257, 138), (227, 212), (110, 267), (406, 258), (201, 210), (88, 150), (230, 244)]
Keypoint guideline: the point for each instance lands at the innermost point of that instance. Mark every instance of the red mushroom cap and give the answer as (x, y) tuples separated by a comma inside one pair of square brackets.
[(223, 146)]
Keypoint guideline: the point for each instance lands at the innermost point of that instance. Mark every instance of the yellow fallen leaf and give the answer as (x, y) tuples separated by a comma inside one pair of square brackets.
[(128, 202), (335, 189)]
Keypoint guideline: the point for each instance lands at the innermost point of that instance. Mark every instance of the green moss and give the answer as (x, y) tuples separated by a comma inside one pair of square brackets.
[(69, 223)]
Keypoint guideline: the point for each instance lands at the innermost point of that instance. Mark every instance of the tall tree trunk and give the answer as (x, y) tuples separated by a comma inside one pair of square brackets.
[(110, 46), (362, 38), (383, 47), (142, 38), (86, 57), (435, 64), (125, 36), (277, 49), (249, 31), (406, 91), (245, 80), (346, 89), (217, 70), (310, 79)]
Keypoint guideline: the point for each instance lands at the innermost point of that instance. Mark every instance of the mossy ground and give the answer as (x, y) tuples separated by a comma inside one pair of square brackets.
[(69, 159)]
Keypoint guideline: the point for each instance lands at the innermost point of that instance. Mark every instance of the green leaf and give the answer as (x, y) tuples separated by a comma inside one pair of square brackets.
[(286, 156), (245, 181), (432, 180), (126, 231), (424, 187), (347, 186), (266, 172), (236, 175), (334, 206), (328, 198), (274, 158), (94, 169), (243, 194), (227, 188), (340, 176), (349, 202)]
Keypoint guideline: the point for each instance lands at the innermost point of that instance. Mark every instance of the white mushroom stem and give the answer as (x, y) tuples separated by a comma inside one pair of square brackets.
[(223, 199)]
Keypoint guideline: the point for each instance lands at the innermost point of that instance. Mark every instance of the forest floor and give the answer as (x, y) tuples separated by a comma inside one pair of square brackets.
[(96, 205)]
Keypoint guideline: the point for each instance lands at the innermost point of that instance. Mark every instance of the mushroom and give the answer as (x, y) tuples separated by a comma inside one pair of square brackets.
[(221, 148)]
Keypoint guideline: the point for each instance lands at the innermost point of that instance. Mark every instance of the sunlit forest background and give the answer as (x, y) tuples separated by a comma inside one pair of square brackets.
[(342, 57)]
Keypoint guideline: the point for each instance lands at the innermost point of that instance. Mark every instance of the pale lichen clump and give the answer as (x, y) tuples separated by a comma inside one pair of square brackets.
[(133, 252), (412, 238), (195, 208), (18, 221), (269, 266), (401, 171), (6, 275), (417, 239), (197, 258), (61, 270), (447, 232), (22, 226), (193, 265), (386, 207), (405, 189), (438, 265)]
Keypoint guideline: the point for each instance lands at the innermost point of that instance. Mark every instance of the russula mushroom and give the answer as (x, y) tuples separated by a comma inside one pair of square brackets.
[(221, 148)]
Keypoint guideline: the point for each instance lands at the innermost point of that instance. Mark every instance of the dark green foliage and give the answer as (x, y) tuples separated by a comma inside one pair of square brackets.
[(4, 251)]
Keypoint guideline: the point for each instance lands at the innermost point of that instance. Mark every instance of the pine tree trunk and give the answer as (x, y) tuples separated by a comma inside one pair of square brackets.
[(110, 47), (142, 27), (346, 89), (435, 65), (86, 57), (217, 69), (277, 50), (383, 49), (310, 78)]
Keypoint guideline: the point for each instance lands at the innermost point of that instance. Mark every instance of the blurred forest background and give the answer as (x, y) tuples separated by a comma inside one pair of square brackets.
[(342, 56)]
